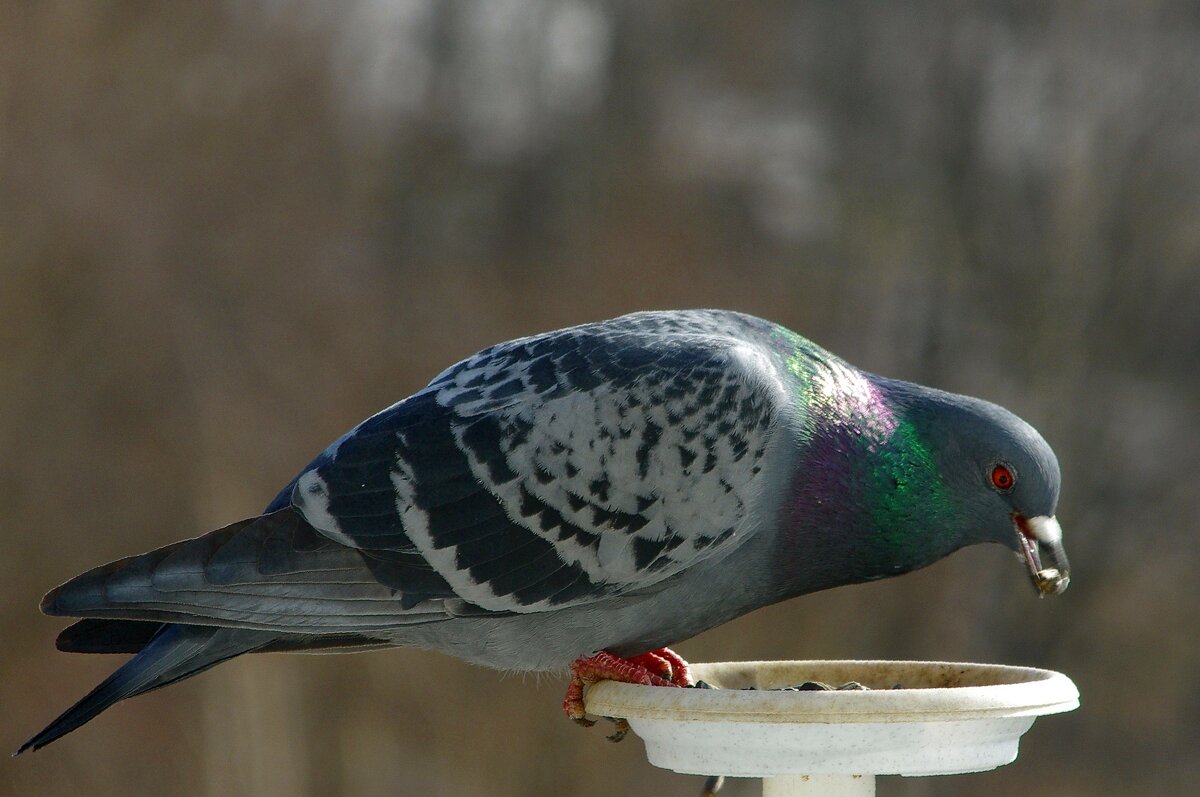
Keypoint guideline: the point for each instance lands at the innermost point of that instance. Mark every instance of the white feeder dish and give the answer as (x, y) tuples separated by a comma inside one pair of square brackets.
[(915, 718)]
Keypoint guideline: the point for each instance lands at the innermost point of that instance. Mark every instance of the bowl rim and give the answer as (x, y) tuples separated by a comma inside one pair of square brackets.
[(1017, 692)]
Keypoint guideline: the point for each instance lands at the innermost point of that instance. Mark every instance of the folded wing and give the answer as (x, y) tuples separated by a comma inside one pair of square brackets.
[(557, 470)]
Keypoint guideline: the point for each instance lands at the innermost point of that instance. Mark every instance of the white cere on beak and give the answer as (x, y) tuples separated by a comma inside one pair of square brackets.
[(1045, 530)]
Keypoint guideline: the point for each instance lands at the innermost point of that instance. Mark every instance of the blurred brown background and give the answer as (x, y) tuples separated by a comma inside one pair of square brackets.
[(229, 231)]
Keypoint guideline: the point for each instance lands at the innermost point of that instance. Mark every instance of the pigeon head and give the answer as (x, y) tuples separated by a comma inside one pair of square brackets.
[(893, 476), (998, 475)]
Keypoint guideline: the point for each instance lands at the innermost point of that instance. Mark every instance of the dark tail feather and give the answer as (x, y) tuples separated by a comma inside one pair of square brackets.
[(176, 652), (99, 635)]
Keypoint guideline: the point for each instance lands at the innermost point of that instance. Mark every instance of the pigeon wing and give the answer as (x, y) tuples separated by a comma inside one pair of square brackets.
[(559, 469)]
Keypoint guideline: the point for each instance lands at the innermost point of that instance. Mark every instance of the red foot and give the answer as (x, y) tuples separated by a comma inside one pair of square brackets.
[(661, 667)]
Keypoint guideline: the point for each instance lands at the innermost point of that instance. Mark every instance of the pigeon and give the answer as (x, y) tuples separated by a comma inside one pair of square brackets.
[(578, 501)]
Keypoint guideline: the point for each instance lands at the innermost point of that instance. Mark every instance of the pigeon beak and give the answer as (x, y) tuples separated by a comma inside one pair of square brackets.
[(1040, 534)]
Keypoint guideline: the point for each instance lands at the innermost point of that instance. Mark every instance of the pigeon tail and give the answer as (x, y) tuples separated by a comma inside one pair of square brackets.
[(176, 652)]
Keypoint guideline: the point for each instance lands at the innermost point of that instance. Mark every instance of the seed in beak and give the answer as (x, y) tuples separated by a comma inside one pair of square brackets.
[(1050, 581)]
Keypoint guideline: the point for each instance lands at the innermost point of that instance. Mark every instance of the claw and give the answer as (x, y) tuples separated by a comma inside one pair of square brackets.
[(681, 674), (620, 730)]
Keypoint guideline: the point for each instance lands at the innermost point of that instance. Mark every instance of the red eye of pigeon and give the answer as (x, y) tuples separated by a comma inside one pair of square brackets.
[(1002, 478)]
